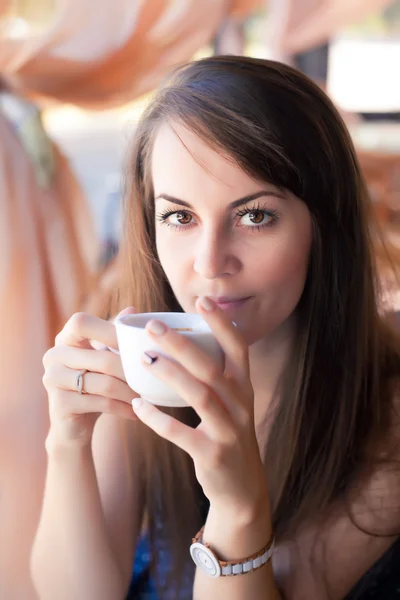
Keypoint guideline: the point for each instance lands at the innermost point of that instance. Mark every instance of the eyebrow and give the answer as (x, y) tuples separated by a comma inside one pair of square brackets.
[(233, 204)]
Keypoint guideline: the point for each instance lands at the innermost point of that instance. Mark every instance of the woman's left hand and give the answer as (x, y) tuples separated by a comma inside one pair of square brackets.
[(224, 446)]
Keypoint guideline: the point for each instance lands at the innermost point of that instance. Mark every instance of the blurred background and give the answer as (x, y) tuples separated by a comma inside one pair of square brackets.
[(74, 78), (361, 74)]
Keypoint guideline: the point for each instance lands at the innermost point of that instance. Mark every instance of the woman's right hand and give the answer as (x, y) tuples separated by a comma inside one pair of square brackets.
[(73, 415)]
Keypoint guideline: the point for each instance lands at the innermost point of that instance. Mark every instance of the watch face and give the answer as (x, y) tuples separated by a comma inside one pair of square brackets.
[(205, 559)]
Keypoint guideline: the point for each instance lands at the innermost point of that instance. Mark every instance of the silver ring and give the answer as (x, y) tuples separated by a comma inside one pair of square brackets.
[(79, 381)]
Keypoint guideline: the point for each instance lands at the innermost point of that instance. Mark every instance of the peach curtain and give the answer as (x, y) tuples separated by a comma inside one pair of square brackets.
[(108, 56), (48, 255)]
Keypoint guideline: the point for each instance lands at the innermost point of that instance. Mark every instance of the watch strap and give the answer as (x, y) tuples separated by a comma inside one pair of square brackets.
[(240, 566)]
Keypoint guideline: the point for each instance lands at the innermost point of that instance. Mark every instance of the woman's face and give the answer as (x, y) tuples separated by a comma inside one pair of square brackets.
[(221, 233)]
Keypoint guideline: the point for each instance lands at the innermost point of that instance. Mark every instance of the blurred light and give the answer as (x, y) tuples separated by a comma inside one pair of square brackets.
[(17, 28), (363, 73)]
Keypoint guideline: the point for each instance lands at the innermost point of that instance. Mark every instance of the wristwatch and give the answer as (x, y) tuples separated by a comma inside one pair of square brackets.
[(208, 562)]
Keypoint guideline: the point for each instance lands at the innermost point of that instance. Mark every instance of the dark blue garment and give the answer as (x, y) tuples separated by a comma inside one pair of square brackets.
[(143, 586)]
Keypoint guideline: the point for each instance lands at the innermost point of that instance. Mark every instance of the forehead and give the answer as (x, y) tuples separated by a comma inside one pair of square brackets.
[(183, 163)]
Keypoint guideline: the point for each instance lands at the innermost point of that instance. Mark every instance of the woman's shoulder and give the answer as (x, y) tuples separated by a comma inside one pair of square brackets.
[(373, 497), (328, 557), (330, 554)]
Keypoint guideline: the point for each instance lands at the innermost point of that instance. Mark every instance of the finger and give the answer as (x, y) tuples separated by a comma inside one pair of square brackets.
[(98, 346), (229, 337), (211, 410), (93, 383), (82, 327), (183, 436), (197, 362), (63, 403), (129, 310), (98, 361)]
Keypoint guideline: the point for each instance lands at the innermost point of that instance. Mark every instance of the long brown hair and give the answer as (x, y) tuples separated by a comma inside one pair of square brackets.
[(277, 126)]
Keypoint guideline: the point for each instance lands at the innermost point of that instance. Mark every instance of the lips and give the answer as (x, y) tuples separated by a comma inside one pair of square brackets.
[(226, 299), (231, 304)]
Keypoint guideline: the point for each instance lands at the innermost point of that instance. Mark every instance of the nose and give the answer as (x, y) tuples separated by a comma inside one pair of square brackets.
[(213, 257)]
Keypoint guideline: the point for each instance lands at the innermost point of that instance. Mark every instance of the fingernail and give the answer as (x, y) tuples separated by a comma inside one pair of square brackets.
[(149, 358), (156, 327), (125, 312), (112, 349), (207, 304), (127, 308), (137, 403)]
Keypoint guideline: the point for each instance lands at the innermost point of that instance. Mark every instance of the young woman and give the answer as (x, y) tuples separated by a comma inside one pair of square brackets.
[(246, 204)]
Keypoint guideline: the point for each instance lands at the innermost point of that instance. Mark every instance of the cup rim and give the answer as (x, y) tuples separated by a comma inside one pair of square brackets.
[(155, 315)]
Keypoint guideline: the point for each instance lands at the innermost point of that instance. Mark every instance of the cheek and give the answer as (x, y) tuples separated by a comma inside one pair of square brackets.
[(283, 271), (279, 278), (288, 263), (173, 255)]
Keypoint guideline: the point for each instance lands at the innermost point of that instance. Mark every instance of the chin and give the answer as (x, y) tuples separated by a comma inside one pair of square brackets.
[(252, 337), (250, 334)]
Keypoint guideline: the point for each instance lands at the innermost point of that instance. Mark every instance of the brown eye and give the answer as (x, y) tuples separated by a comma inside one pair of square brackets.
[(256, 216), (183, 218)]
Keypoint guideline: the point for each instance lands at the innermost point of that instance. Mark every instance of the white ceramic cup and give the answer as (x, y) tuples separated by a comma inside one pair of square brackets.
[(133, 341)]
